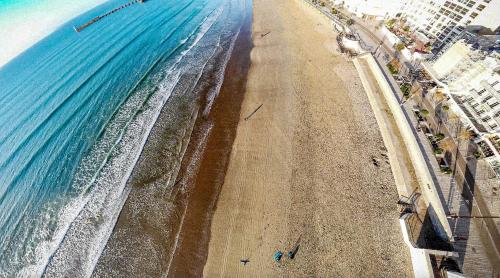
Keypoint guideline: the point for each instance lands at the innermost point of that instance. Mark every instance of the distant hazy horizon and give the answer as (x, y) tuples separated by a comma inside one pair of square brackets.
[(25, 22)]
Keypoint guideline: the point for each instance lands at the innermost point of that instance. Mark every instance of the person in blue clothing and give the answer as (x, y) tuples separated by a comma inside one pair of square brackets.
[(277, 256)]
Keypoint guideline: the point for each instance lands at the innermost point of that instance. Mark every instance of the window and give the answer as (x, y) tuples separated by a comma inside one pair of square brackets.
[(481, 7), (473, 15), (486, 99)]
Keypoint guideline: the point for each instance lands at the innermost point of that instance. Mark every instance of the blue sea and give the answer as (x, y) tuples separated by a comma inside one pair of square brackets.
[(75, 112)]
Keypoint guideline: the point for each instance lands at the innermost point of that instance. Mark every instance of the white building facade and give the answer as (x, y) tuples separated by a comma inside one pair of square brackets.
[(483, 104), (472, 78), (380, 9), (443, 20)]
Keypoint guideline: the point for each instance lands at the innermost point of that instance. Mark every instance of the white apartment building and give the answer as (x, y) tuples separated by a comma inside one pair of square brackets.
[(442, 20), (482, 102), (380, 9), (472, 77)]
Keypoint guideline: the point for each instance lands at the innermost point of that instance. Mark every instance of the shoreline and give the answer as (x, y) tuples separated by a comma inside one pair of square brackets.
[(205, 185), (166, 216), (47, 21)]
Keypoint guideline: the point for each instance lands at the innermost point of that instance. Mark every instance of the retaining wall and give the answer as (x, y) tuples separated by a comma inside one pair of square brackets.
[(423, 174)]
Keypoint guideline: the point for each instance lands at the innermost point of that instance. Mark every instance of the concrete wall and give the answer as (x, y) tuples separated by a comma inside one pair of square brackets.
[(426, 183), (422, 266)]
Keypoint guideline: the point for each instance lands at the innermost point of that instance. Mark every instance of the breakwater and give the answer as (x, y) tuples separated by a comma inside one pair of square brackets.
[(97, 18)]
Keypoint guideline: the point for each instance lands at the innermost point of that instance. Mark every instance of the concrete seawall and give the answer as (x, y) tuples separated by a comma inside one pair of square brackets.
[(422, 265), (387, 108), (417, 158)]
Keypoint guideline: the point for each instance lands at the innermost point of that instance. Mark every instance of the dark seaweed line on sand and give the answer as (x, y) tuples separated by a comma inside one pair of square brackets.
[(206, 185), (161, 227)]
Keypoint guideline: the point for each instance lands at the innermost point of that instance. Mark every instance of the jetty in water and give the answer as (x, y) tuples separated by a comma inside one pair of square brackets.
[(96, 19)]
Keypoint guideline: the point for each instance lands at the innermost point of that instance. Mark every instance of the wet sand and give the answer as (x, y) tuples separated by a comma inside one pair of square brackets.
[(310, 164), (174, 187), (209, 149)]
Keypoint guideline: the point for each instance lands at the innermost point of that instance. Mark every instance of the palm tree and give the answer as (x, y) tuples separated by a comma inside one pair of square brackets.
[(466, 134), (447, 145), (453, 122), (453, 117), (438, 97)]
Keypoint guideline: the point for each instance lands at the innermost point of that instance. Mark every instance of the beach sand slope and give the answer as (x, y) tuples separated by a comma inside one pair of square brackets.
[(309, 164)]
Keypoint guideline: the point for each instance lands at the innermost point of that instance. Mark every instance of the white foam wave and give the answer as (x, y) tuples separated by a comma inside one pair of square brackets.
[(193, 167), (22, 27), (89, 220), (212, 95)]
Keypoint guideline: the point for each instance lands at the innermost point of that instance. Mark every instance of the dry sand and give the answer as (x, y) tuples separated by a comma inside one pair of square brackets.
[(303, 164)]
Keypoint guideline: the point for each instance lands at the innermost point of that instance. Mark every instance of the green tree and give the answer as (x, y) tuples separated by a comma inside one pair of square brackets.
[(392, 69), (405, 88), (390, 23), (399, 47)]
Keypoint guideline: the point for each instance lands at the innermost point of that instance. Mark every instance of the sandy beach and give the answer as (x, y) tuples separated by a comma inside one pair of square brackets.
[(310, 164)]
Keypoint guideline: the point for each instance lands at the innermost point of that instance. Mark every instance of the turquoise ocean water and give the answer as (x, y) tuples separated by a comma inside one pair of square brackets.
[(75, 112)]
